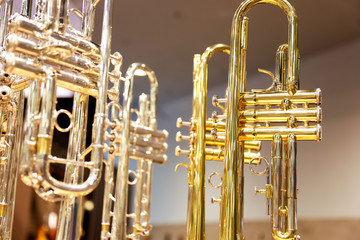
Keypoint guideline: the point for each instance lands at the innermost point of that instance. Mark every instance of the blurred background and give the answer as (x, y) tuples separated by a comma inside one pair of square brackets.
[(166, 34)]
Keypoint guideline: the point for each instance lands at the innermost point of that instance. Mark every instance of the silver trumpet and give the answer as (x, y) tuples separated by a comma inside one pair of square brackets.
[(41, 50), (49, 53), (139, 140), (11, 120)]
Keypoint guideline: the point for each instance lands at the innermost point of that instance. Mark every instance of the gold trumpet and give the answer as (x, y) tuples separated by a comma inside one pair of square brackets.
[(205, 143), (281, 113), (139, 140)]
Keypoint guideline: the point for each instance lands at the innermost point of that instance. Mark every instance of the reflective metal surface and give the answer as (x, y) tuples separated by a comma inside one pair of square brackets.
[(46, 52), (11, 119), (205, 142), (139, 140), (280, 113)]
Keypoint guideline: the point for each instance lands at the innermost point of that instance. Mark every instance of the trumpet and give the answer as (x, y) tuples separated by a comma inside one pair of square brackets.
[(281, 114), (11, 119), (42, 51), (49, 53), (139, 140), (205, 144)]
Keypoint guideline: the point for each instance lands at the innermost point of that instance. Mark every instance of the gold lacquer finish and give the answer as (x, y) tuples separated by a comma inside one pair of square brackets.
[(280, 113), (205, 143)]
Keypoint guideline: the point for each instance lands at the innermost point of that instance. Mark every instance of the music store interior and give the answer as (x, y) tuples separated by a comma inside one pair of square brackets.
[(264, 135)]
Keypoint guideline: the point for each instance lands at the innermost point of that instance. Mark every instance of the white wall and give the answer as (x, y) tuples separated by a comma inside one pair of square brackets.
[(328, 171)]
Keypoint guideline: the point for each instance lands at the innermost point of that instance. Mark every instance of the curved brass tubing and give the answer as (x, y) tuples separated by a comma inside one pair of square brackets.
[(231, 225), (154, 153), (196, 194)]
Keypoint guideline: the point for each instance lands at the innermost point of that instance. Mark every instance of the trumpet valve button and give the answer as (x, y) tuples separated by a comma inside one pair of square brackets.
[(180, 137), (180, 123), (179, 151)]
